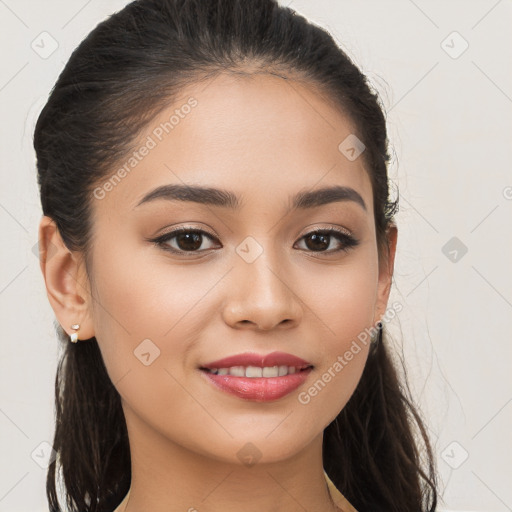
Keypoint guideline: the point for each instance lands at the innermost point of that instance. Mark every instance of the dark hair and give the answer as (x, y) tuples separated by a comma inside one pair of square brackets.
[(126, 71)]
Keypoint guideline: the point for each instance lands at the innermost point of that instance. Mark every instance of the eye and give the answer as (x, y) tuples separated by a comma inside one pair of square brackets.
[(320, 240), (187, 240), (190, 240)]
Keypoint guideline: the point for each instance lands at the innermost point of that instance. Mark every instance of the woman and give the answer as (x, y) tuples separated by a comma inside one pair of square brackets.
[(218, 245)]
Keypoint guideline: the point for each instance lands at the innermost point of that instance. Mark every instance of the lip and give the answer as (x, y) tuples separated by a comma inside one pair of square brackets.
[(254, 359), (258, 389)]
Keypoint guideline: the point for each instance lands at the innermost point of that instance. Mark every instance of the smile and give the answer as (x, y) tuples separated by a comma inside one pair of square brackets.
[(256, 371), (249, 383)]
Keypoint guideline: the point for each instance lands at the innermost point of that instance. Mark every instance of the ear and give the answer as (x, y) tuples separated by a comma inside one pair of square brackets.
[(67, 285), (386, 265)]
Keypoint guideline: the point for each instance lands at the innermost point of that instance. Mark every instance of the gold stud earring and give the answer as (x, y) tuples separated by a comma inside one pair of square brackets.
[(74, 336)]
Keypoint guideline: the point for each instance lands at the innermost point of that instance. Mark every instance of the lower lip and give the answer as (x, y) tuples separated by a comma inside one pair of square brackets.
[(259, 389)]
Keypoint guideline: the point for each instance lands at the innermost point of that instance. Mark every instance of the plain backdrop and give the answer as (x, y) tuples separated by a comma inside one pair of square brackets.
[(443, 71)]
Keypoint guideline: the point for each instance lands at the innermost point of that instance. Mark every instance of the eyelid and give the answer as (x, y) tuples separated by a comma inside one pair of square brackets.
[(161, 240), (328, 227), (308, 230), (343, 235)]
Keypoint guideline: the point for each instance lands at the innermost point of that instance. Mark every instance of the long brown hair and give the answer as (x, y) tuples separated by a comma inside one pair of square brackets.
[(128, 69)]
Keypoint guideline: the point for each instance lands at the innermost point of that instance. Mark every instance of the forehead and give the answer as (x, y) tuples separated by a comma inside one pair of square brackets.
[(260, 136)]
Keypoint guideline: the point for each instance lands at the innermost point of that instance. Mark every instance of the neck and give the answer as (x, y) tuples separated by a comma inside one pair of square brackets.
[(167, 476)]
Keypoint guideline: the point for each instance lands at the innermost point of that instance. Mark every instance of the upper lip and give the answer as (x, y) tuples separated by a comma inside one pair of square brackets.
[(253, 359)]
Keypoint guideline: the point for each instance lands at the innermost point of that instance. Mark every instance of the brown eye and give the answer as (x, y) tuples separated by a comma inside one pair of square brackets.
[(320, 240), (186, 240)]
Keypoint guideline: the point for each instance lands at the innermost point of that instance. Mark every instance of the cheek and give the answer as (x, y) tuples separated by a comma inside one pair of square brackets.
[(333, 384), (342, 298), (145, 319), (138, 300), (343, 352), (344, 307)]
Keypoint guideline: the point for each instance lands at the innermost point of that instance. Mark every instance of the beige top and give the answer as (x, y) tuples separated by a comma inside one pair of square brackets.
[(338, 498)]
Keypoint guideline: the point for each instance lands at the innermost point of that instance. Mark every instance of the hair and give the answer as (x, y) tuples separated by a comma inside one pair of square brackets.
[(126, 71)]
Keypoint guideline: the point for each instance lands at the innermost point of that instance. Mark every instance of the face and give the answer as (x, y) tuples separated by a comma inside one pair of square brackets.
[(253, 274)]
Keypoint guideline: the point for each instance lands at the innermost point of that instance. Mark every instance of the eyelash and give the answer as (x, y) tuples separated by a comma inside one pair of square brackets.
[(348, 241)]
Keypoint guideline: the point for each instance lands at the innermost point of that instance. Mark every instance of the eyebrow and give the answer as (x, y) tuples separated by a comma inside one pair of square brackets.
[(304, 199)]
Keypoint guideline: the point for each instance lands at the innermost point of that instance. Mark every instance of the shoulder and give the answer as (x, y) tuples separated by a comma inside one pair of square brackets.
[(338, 497), (342, 503)]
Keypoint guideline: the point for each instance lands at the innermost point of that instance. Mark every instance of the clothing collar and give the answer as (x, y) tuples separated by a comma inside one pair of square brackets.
[(338, 498)]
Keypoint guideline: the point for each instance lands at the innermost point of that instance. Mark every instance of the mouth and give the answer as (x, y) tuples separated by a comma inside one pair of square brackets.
[(253, 372), (257, 377), (251, 364), (258, 384)]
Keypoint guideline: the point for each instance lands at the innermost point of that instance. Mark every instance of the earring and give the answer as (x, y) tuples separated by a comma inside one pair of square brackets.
[(74, 336), (378, 337)]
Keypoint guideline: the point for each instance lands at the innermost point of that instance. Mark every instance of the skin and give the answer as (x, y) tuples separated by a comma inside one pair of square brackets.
[(263, 138)]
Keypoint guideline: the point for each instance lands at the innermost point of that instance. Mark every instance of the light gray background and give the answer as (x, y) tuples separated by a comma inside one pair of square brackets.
[(450, 119)]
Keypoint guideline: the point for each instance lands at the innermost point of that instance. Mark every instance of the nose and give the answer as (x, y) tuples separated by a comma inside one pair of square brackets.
[(261, 295)]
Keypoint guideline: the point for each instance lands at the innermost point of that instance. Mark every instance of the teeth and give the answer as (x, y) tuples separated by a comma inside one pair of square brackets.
[(283, 370), (255, 371), (270, 371), (237, 371)]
